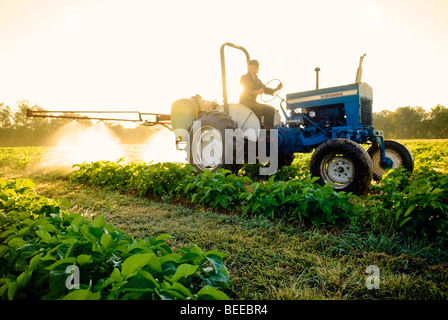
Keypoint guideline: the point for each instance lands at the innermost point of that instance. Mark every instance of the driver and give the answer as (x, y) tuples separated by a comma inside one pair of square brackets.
[(252, 87)]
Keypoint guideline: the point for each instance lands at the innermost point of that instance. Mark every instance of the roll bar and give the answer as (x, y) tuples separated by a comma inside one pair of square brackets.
[(223, 70)]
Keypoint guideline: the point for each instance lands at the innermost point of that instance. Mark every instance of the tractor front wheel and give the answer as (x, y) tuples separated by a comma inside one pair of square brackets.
[(344, 163), (398, 155)]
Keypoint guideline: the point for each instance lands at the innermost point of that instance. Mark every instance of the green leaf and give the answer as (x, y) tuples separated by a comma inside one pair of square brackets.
[(116, 275), (194, 258), (404, 221), (16, 243), (106, 241), (84, 259), (34, 261), (58, 278), (24, 277), (195, 249), (164, 236), (82, 295), (175, 257), (169, 294), (134, 263), (216, 261), (77, 219), (216, 252), (149, 277), (12, 288), (47, 227), (210, 293), (44, 235), (184, 270), (99, 221), (154, 264), (97, 233), (68, 261), (103, 283), (179, 287), (220, 279), (62, 250), (410, 209), (397, 215), (22, 231), (224, 202)]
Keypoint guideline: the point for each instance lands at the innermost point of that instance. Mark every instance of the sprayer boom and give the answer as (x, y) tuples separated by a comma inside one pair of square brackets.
[(146, 119)]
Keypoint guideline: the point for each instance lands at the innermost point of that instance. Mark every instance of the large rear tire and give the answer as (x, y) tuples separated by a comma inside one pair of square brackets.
[(206, 143), (396, 152), (344, 163)]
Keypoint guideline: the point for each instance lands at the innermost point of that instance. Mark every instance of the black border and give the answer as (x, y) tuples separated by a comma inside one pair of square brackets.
[(276, 309)]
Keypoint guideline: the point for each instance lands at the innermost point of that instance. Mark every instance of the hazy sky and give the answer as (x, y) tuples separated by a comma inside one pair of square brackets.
[(143, 55)]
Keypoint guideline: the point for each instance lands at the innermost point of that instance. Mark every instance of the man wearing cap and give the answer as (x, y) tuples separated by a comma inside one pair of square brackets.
[(252, 87)]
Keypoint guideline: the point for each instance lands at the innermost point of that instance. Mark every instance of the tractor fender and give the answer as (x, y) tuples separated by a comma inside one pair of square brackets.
[(246, 120)]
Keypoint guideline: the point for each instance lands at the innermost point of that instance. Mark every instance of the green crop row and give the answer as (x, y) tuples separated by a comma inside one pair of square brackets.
[(413, 203), (19, 157), (47, 253), (416, 202), (293, 199), (429, 154)]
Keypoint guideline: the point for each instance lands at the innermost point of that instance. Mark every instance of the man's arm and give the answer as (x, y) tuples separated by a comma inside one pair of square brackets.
[(270, 91)]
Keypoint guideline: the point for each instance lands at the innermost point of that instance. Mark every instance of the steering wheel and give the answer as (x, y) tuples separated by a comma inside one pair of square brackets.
[(267, 97)]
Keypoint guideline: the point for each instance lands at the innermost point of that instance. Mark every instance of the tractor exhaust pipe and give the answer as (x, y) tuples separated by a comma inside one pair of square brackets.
[(317, 77), (359, 71)]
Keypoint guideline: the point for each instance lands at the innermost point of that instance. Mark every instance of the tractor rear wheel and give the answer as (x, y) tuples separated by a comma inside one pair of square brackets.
[(206, 143), (344, 163), (396, 152)]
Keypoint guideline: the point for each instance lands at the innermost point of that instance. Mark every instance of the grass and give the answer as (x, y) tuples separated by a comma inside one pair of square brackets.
[(271, 259)]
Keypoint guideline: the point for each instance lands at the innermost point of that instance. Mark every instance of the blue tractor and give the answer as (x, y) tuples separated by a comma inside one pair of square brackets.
[(332, 122)]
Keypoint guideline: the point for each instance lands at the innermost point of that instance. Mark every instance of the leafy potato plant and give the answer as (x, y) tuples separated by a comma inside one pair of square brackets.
[(297, 198), (417, 203), (40, 243)]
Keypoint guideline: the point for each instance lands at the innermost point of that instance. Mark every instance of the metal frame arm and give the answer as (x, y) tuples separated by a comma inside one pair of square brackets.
[(223, 70)]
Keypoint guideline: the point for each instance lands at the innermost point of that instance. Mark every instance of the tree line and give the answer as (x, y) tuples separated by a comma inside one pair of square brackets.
[(16, 129), (413, 123)]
